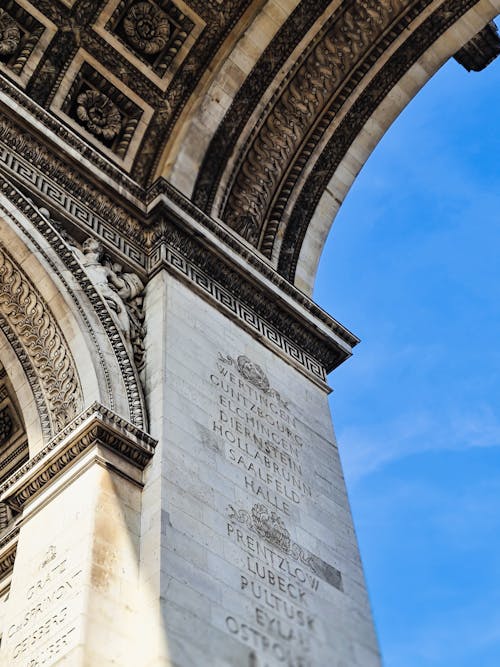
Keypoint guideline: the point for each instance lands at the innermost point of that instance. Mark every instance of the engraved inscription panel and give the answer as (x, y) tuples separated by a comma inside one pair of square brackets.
[(282, 584), (44, 630)]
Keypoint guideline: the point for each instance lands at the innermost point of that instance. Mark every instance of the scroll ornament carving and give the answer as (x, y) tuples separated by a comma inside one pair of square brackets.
[(122, 291), (39, 333), (147, 28), (10, 34), (98, 114), (294, 113)]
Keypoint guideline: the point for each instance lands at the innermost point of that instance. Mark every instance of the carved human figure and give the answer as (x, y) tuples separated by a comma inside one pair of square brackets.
[(122, 291), (106, 281)]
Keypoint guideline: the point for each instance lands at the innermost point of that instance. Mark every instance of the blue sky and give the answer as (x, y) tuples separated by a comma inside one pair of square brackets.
[(411, 266)]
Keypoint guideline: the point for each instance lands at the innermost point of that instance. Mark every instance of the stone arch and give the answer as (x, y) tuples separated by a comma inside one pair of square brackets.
[(184, 154), (355, 73), (30, 413), (299, 253), (81, 335)]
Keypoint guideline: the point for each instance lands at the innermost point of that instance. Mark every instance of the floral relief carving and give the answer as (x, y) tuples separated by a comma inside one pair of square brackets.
[(99, 114), (10, 34), (253, 373), (40, 335), (303, 101), (147, 28)]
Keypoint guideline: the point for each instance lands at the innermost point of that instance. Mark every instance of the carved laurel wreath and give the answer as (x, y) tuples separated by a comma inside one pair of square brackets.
[(147, 28), (268, 525), (10, 35), (99, 114), (253, 373)]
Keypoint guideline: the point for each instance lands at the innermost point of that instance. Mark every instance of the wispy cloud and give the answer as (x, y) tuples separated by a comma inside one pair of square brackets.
[(369, 448)]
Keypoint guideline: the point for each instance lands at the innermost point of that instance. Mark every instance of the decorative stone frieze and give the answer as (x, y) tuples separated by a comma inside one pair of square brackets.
[(30, 318), (311, 188), (127, 369), (339, 56)]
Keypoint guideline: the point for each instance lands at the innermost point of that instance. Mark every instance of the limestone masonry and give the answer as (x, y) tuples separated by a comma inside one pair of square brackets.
[(171, 492)]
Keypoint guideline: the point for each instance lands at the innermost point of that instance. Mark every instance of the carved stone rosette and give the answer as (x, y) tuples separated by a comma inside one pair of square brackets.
[(98, 114), (10, 35), (147, 27)]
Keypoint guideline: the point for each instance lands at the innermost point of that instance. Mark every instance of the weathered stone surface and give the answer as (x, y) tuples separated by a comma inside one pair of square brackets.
[(170, 487)]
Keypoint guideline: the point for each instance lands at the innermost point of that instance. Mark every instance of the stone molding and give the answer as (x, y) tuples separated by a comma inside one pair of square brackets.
[(173, 233), (127, 367), (95, 426), (35, 327), (8, 549), (259, 80), (309, 190), (340, 54)]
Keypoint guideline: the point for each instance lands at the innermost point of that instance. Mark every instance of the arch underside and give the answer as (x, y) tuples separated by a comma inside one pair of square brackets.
[(266, 177), (60, 339), (260, 112)]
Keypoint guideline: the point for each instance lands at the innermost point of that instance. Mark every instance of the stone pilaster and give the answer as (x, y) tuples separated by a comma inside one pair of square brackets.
[(74, 594)]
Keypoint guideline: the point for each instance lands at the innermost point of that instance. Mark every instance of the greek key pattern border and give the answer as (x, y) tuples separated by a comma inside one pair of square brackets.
[(30, 176), (238, 310)]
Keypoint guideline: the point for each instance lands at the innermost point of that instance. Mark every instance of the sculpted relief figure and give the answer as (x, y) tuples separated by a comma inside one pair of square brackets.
[(121, 290)]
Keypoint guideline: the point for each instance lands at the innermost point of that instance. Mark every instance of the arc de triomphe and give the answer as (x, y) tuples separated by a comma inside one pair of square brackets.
[(170, 487)]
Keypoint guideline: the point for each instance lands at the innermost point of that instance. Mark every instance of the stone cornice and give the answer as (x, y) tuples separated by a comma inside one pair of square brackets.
[(297, 329), (65, 254), (95, 426), (170, 231)]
